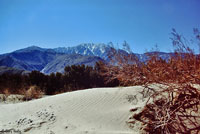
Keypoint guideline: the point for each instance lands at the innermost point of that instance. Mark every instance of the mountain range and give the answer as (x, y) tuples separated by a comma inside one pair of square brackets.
[(54, 60)]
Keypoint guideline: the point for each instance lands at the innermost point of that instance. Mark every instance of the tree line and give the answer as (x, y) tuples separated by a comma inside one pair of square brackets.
[(75, 77)]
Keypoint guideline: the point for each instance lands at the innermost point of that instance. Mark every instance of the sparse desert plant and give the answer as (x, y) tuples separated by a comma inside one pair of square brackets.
[(172, 110), (182, 66), (6, 92), (33, 93)]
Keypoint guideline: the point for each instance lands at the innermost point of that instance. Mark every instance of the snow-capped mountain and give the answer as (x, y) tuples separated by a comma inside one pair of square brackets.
[(45, 60), (54, 60), (101, 50), (88, 49)]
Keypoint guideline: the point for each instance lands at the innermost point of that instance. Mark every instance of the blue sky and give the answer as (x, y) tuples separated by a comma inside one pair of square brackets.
[(63, 23)]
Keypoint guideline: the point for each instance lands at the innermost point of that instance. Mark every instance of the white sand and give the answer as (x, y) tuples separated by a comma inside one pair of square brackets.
[(91, 111)]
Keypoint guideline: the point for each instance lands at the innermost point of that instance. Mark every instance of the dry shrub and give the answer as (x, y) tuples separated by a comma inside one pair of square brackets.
[(6, 92), (181, 67), (32, 93), (172, 110), (122, 67)]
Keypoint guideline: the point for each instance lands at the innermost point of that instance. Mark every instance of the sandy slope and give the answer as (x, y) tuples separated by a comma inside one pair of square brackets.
[(91, 111)]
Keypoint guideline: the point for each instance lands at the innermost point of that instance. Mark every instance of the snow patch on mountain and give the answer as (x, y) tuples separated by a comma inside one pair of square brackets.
[(88, 49)]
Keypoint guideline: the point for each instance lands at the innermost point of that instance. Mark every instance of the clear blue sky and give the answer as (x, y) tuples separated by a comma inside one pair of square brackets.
[(56, 23)]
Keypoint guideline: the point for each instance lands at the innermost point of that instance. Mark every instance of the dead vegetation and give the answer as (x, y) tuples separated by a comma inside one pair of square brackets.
[(171, 110), (33, 92)]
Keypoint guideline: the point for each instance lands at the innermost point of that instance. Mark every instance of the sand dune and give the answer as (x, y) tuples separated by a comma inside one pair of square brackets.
[(91, 111)]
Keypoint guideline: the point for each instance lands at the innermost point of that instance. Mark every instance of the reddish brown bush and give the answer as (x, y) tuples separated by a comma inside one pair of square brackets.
[(182, 66), (175, 109)]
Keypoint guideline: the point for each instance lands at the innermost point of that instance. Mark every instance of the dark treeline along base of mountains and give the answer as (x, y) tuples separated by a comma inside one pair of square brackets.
[(58, 70), (75, 77)]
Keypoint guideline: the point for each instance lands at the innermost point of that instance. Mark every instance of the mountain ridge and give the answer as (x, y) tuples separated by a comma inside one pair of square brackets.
[(41, 59), (48, 60)]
